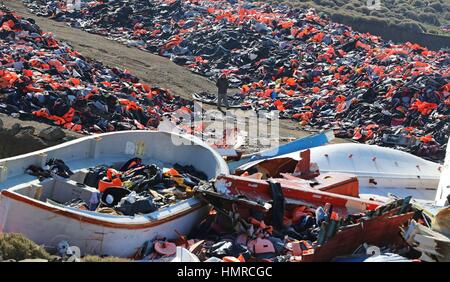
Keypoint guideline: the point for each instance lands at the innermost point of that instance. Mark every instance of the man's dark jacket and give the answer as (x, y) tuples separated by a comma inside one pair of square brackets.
[(222, 85)]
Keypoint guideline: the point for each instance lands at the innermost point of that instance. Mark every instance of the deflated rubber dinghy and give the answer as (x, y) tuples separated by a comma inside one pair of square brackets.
[(36, 207)]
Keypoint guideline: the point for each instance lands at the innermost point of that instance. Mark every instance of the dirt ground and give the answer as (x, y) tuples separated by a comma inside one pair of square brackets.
[(152, 69), (26, 139)]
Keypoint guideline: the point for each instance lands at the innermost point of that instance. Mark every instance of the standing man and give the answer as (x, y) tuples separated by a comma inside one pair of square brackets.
[(222, 88)]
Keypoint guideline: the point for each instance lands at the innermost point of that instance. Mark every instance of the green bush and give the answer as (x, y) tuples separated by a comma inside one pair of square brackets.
[(429, 10), (327, 3), (18, 247), (411, 26), (363, 10), (349, 6), (340, 2), (418, 3), (411, 15), (376, 13), (414, 15), (384, 10), (446, 7), (389, 3), (305, 5), (402, 9), (447, 16), (429, 18), (358, 4), (437, 7)]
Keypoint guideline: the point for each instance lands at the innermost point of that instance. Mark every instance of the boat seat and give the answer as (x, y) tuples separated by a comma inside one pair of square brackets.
[(60, 190), (38, 191), (67, 190), (79, 176)]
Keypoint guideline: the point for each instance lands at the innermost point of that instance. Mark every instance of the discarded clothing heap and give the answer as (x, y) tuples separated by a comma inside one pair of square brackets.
[(55, 166), (44, 79), (321, 73), (133, 188)]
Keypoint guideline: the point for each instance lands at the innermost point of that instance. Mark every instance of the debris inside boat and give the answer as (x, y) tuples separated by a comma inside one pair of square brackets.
[(134, 188), (107, 194)]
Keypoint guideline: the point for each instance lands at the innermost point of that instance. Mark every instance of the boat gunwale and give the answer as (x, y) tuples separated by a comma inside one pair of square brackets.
[(96, 220), (195, 141)]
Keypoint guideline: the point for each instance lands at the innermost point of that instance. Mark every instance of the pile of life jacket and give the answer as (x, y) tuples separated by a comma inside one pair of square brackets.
[(44, 79), (291, 60)]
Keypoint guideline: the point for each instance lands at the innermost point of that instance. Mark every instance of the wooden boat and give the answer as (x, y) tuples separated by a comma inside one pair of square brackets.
[(379, 230), (24, 209), (433, 245), (340, 190), (379, 226), (380, 171), (300, 182)]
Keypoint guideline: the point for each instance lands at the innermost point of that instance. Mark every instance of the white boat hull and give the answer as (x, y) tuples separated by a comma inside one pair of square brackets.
[(380, 170), (48, 227), (94, 233)]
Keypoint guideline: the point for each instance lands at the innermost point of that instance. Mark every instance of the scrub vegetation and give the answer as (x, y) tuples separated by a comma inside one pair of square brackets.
[(428, 16), (17, 247)]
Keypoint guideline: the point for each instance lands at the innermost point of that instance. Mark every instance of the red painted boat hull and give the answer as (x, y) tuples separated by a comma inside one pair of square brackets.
[(297, 192)]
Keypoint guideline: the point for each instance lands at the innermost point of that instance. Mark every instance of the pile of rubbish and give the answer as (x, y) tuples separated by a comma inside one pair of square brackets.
[(244, 228), (275, 210), (323, 74), (134, 188), (44, 79), (240, 229), (307, 216)]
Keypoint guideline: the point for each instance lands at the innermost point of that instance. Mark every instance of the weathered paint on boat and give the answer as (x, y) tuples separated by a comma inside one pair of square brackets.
[(297, 192), (377, 231), (433, 245)]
